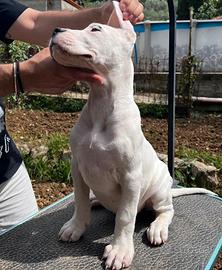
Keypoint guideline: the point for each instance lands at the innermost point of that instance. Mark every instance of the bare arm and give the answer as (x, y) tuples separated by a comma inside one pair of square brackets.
[(36, 27), (6, 80), (57, 79)]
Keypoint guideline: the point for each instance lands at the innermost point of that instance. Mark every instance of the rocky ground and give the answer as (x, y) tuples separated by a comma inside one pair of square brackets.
[(203, 133)]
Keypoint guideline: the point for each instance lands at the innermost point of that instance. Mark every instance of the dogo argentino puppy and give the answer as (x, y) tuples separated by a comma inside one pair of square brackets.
[(110, 154)]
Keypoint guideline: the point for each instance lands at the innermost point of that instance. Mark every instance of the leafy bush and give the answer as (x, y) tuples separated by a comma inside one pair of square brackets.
[(183, 10), (56, 144), (51, 166), (17, 51), (45, 103), (13, 101), (55, 104), (61, 104), (203, 9), (156, 10), (154, 110), (203, 156), (209, 9)]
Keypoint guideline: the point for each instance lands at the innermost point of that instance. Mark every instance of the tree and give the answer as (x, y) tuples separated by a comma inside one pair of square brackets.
[(209, 9), (155, 10), (219, 8), (183, 11)]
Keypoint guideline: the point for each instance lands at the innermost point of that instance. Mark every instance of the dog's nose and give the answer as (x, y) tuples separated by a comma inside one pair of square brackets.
[(58, 30)]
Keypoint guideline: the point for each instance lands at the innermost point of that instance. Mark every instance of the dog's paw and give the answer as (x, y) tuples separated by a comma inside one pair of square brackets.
[(72, 231), (157, 233), (118, 256)]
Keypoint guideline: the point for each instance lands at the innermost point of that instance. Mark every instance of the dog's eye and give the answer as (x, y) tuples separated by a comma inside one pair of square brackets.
[(96, 28)]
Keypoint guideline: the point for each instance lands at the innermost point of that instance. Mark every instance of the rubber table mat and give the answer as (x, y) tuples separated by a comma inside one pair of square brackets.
[(194, 239)]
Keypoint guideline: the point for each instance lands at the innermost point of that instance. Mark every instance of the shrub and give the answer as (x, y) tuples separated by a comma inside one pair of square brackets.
[(50, 166), (61, 104), (17, 51), (203, 156), (154, 110)]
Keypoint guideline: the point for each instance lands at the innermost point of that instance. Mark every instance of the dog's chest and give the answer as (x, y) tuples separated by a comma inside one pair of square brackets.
[(97, 158)]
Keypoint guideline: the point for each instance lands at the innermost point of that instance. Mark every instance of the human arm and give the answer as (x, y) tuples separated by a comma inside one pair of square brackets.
[(36, 26), (57, 79), (6, 80)]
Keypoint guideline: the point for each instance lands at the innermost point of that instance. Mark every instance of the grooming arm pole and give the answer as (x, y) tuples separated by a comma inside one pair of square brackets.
[(171, 86)]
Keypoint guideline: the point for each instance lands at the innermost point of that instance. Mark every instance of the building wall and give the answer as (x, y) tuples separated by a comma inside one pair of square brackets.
[(206, 85), (152, 45)]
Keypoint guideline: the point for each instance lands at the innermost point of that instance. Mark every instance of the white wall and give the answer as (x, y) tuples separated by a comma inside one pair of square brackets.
[(152, 44)]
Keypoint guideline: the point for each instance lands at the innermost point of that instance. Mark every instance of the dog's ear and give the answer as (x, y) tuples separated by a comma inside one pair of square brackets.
[(116, 20)]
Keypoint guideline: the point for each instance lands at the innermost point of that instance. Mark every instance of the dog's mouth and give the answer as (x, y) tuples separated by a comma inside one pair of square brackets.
[(67, 53), (63, 56), (85, 56)]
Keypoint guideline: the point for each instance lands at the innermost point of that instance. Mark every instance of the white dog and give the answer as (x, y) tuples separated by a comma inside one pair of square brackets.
[(111, 156)]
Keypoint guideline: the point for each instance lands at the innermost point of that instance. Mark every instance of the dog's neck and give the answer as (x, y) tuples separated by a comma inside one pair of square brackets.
[(116, 92), (118, 84)]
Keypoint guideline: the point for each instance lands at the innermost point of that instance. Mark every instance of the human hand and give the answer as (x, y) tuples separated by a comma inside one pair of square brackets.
[(42, 74), (132, 10)]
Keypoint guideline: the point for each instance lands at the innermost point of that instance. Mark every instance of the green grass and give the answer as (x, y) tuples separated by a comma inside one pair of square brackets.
[(51, 166), (56, 144), (204, 156)]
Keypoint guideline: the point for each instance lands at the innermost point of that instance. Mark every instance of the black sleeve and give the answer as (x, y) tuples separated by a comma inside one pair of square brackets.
[(10, 10)]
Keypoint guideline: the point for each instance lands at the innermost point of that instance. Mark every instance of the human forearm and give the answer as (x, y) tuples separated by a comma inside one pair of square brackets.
[(74, 20), (6, 80), (36, 27), (42, 74)]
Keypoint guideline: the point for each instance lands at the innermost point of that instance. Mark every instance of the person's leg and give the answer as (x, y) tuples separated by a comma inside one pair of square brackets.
[(17, 200)]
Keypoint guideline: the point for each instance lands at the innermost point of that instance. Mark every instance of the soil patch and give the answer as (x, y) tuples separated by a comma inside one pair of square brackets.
[(203, 132)]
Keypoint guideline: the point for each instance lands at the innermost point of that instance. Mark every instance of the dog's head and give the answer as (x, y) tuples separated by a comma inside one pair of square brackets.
[(97, 47)]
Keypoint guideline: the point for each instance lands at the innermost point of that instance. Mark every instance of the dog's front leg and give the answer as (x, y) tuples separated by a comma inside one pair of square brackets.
[(119, 253), (76, 226)]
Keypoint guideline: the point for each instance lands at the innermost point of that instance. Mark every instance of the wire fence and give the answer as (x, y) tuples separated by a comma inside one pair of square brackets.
[(150, 78)]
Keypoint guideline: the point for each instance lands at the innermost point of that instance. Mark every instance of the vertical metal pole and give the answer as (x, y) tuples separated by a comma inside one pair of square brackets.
[(171, 86)]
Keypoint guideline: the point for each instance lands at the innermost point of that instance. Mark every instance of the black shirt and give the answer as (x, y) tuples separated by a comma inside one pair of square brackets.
[(10, 10), (10, 158)]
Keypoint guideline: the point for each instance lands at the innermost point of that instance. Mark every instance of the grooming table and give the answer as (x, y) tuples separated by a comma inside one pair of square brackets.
[(194, 239)]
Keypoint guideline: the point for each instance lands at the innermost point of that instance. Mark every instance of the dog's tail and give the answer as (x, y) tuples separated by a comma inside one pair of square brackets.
[(176, 192)]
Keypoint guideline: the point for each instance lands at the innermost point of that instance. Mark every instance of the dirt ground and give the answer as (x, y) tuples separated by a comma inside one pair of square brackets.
[(202, 132)]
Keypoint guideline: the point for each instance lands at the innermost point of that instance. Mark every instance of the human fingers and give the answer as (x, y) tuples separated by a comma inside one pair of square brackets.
[(138, 15), (132, 9)]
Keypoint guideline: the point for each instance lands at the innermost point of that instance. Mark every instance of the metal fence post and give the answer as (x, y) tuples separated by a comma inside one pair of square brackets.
[(171, 86)]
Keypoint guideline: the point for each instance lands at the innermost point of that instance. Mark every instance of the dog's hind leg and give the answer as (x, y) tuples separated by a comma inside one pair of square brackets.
[(157, 233), (76, 226)]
